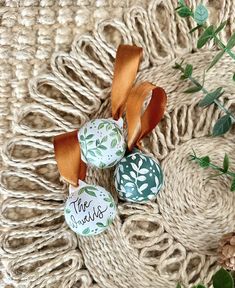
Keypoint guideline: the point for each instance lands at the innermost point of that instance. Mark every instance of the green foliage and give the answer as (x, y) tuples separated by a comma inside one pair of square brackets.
[(211, 97), (200, 16), (205, 162), (223, 279), (231, 42), (206, 36), (222, 125), (216, 59), (226, 163)]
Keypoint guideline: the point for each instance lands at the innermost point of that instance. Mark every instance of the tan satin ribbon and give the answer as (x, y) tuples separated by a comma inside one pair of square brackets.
[(125, 70), (139, 125), (67, 148), (68, 157)]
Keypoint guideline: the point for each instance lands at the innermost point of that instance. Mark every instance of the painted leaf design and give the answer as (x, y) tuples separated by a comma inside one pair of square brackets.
[(140, 163), (82, 138), (107, 199), (104, 139), (126, 177), (143, 171), (134, 166), (102, 147), (67, 211), (132, 173), (88, 137), (141, 178), (91, 152), (119, 153), (90, 142), (90, 192), (85, 130), (156, 181), (101, 125), (101, 225), (86, 231), (114, 143), (143, 187)]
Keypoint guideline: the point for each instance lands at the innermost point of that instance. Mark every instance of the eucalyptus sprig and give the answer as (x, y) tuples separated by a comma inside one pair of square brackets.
[(225, 122), (200, 15), (221, 279), (205, 162)]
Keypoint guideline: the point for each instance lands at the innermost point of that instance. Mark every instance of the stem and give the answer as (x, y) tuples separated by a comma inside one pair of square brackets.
[(217, 102), (223, 47), (213, 166)]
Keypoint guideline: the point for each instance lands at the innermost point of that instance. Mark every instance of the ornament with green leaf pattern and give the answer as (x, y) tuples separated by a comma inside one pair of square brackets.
[(102, 143), (138, 178)]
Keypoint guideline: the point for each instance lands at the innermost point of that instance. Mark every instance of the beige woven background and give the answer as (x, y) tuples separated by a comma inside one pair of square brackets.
[(153, 245)]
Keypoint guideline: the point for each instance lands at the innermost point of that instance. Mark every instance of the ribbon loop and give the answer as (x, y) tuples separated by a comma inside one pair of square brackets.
[(139, 125), (68, 157), (125, 71)]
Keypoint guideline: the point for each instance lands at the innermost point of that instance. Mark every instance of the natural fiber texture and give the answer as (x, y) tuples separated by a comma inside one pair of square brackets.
[(154, 245)]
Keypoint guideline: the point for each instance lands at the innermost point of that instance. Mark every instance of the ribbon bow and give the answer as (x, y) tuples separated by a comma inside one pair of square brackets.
[(123, 97)]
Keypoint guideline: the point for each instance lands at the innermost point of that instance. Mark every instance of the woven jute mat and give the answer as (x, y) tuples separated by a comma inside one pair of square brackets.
[(153, 245)]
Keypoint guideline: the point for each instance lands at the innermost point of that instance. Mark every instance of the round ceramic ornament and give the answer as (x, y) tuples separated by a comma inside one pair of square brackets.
[(89, 209), (102, 142), (138, 177)]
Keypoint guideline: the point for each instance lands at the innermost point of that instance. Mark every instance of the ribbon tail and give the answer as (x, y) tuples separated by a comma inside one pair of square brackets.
[(68, 157), (139, 125), (125, 71)]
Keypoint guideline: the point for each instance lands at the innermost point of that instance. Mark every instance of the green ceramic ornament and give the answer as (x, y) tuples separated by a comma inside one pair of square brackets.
[(138, 177)]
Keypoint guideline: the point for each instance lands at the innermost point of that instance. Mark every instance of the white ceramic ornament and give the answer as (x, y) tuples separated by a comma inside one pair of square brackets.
[(102, 142), (89, 209), (138, 177)]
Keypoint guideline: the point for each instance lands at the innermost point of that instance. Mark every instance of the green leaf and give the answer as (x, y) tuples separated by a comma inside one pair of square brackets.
[(67, 211), (223, 279), (222, 125), (82, 138), (86, 231), (107, 199), (178, 286), (102, 147), (100, 225), (216, 59), (195, 28), (98, 152), (205, 37), (200, 14), (226, 163), (188, 70), (210, 97), (104, 139), (182, 2), (199, 286), (90, 192), (233, 185), (234, 77), (193, 89), (231, 42), (85, 130), (184, 12), (91, 152), (221, 27), (88, 137), (119, 153), (204, 162), (101, 125), (114, 143)]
